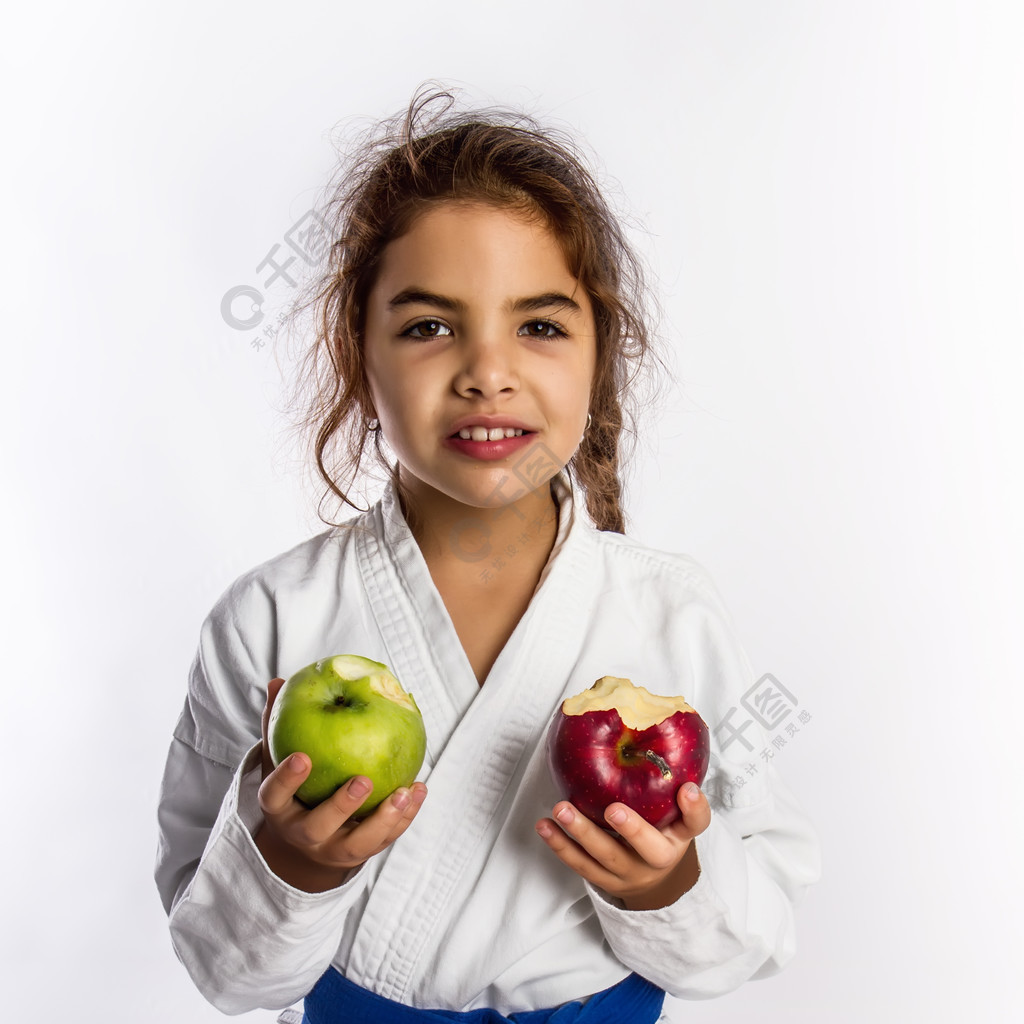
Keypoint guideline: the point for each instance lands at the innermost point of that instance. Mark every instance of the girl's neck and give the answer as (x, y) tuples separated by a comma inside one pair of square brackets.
[(483, 540)]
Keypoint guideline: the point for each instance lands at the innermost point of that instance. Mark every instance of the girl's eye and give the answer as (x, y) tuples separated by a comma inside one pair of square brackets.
[(548, 329), (433, 328), (430, 329)]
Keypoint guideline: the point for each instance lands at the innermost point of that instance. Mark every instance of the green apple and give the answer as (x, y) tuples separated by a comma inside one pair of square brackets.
[(350, 716)]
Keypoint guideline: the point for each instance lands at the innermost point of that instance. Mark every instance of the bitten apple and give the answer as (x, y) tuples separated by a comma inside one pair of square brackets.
[(350, 716), (619, 742)]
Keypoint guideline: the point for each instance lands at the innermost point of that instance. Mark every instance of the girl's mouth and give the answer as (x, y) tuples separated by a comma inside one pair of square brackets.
[(491, 443), (488, 433)]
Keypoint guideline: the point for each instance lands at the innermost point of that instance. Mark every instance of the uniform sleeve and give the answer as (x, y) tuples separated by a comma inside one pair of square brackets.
[(757, 857), (246, 937), (737, 922)]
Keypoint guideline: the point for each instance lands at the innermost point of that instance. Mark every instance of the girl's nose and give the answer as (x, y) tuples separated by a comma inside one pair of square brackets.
[(487, 368)]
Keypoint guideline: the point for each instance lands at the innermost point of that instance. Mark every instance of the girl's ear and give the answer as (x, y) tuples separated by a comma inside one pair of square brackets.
[(366, 407)]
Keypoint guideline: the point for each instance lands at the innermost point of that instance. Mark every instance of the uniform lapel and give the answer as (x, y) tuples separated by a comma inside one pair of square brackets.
[(476, 736), (421, 642)]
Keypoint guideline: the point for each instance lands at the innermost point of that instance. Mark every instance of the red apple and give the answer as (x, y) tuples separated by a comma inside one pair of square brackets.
[(618, 742)]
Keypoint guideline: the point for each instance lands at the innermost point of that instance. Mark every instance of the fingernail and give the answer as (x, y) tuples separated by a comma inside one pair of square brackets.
[(296, 763), (617, 817), (544, 830), (359, 787), (565, 816), (692, 790), (400, 798)]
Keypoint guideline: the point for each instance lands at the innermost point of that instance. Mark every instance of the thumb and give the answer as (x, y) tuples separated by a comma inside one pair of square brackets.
[(695, 807)]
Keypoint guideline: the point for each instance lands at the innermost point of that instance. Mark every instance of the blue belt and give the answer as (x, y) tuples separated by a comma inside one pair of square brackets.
[(336, 1000)]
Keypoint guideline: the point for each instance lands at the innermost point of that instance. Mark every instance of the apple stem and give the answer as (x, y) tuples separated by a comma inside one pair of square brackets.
[(660, 763)]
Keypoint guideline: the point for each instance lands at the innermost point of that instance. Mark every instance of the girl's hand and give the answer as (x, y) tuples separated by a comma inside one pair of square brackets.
[(315, 849), (646, 868)]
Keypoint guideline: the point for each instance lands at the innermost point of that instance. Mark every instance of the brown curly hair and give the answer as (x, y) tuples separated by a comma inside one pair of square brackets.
[(503, 158)]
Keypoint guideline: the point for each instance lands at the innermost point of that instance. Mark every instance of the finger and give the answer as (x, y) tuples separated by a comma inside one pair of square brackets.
[(594, 840), (273, 688), (695, 809), (383, 826), (324, 820), (659, 850), (277, 791), (572, 855), (407, 804)]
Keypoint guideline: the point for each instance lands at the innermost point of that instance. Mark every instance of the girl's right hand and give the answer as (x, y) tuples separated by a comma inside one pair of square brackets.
[(315, 849)]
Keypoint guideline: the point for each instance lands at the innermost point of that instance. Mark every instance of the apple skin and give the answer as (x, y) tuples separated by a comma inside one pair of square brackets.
[(597, 760), (351, 717)]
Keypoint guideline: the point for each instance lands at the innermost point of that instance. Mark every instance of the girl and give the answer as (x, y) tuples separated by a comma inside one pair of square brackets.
[(481, 317)]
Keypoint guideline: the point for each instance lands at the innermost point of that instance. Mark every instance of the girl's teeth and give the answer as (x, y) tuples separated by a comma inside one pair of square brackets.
[(483, 434)]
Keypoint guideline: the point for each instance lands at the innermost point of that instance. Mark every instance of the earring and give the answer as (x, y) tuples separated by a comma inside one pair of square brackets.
[(590, 419), (373, 424)]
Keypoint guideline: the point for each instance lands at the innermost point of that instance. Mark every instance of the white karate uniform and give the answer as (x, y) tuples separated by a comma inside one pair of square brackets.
[(469, 908)]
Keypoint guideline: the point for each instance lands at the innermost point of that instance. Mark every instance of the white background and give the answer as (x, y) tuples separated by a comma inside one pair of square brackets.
[(830, 196)]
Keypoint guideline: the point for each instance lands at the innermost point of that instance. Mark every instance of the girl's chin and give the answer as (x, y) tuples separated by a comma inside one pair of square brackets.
[(488, 486)]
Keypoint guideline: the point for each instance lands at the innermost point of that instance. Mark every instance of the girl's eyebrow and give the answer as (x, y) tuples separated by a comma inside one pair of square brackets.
[(530, 304)]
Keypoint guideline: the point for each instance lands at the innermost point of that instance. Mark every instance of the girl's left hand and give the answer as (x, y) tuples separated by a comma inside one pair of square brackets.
[(647, 868)]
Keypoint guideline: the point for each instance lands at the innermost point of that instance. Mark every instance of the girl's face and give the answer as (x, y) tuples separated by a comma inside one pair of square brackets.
[(475, 323)]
